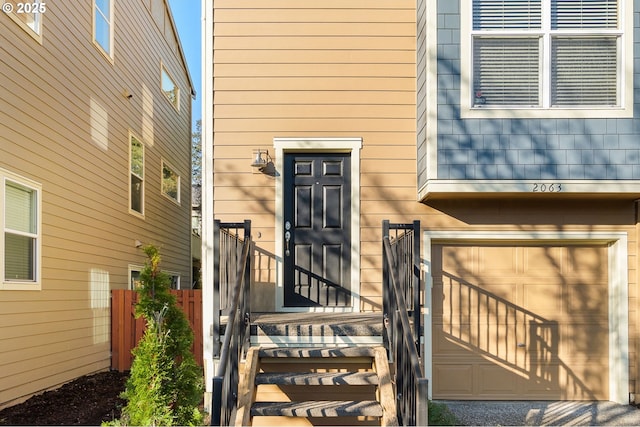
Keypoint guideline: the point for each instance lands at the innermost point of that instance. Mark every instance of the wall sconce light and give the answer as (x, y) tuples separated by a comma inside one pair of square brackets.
[(260, 159)]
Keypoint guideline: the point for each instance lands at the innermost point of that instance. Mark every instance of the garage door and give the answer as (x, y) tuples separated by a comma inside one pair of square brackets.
[(520, 322)]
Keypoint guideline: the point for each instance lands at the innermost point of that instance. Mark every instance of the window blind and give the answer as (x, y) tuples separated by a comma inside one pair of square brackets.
[(584, 71), (506, 14), (506, 71), (572, 14), (20, 208)]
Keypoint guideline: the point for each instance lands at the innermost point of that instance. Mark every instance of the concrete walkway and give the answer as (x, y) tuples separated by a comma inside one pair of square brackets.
[(567, 413)]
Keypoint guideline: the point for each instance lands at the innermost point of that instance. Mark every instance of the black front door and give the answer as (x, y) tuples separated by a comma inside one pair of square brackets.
[(317, 230)]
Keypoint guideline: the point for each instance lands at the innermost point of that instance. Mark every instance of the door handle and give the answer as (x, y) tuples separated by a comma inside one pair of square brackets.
[(287, 238)]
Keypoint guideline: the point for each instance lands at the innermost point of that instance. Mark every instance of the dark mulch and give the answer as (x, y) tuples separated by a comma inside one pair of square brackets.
[(86, 401)]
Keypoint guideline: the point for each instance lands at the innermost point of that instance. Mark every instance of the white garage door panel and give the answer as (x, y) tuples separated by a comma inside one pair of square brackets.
[(528, 322)]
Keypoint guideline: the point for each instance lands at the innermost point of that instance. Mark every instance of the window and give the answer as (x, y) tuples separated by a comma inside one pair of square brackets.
[(170, 89), (546, 54), (103, 25), (28, 15), (21, 236), (136, 169), (175, 280), (134, 277), (170, 182)]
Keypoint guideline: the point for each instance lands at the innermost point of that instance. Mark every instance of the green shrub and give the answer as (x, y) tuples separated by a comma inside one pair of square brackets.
[(165, 384), (441, 415)]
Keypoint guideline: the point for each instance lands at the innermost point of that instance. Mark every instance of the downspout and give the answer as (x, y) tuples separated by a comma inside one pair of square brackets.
[(207, 197)]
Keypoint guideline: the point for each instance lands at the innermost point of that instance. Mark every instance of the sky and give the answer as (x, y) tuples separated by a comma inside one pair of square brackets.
[(186, 14)]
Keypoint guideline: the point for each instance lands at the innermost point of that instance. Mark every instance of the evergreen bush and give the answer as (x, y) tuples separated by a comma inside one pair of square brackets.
[(165, 384)]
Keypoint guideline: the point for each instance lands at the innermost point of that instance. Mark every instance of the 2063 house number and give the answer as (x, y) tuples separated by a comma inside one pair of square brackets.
[(554, 187)]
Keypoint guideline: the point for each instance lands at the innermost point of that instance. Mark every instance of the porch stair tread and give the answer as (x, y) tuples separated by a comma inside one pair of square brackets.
[(317, 324), (315, 378), (318, 408), (287, 352)]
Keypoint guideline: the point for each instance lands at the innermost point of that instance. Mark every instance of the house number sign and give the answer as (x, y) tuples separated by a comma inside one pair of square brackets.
[(547, 188)]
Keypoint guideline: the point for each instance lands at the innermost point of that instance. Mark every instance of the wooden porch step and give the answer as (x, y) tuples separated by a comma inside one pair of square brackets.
[(345, 383), (286, 352), (318, 408), (314, 378), (316, 329)]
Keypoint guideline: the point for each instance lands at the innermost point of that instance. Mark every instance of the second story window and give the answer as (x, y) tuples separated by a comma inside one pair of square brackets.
[(170, 88), (103, 25), (546, 54), (136, 172), (27, 14), (170, 182)]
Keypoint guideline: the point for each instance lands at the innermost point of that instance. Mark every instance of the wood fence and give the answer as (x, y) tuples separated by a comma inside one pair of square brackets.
[(126, 330)]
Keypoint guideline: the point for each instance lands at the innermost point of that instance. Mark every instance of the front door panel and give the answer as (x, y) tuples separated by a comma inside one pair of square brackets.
[(317, 214)]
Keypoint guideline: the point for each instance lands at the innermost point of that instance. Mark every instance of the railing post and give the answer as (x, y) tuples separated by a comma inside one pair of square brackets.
[(248, 267), (417, 285), (215, 326), (422, 402), (386, 293), (216, 404)]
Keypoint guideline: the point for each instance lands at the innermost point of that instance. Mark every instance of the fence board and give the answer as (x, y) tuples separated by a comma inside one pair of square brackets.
[(126, 330)]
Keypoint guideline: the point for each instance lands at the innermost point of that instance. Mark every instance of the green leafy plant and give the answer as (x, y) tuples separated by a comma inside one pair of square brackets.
[(165, 384), (441, 415)]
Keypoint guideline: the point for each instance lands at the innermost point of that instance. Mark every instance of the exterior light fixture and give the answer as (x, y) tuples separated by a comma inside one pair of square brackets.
[(260, 159)]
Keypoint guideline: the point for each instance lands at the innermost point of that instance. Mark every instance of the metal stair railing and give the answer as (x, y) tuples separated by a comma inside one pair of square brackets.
[(232, 282), (401, 282)]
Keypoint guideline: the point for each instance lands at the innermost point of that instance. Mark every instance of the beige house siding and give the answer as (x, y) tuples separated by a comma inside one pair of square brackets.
[(65, 125), (291, 69)]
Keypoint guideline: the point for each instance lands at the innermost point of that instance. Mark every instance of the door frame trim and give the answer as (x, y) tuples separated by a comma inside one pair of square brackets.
[(618, 301), (284, 146)]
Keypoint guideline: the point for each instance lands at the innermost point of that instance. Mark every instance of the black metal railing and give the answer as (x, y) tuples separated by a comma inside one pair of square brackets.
[(232, 283), (401, 292), (405, 245)]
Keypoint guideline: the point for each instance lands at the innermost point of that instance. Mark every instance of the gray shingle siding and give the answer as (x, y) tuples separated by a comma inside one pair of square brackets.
[(421, 138), (477, 149)]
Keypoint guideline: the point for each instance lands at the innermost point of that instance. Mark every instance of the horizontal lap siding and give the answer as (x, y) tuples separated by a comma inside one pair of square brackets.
[(65, 125), (286, 68)]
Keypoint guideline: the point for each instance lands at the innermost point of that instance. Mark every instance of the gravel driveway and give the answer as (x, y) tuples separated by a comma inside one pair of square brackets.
[(566, 413)]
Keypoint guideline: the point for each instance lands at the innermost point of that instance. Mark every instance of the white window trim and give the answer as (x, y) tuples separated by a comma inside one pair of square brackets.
[(138, 268), (618, 298), (108, 55), (144, 178), (34, 285), (178, 277), (316, 145), (626, 78), (36, 34), (164, 70), (130, 269), (169, 166)]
